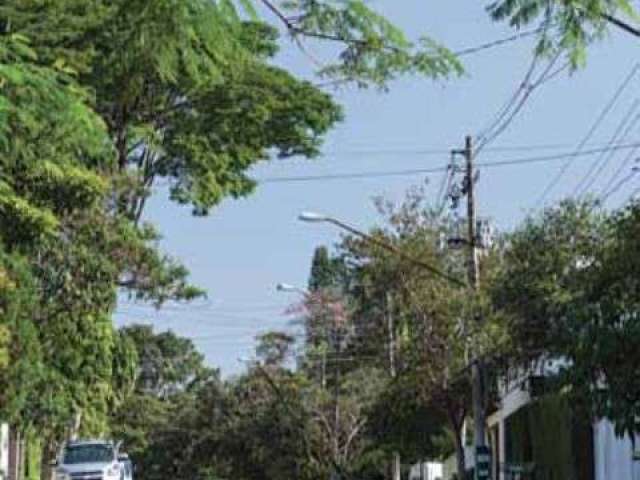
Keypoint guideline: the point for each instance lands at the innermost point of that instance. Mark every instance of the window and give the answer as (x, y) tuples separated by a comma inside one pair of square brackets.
[(88, 454)]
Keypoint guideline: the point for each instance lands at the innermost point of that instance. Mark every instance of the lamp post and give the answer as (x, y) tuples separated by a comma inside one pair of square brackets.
[(313, 217), (286, 287)]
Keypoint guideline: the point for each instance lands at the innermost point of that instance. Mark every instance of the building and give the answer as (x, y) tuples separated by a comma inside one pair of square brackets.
[(426, 471), (535, 434), (4, 450)]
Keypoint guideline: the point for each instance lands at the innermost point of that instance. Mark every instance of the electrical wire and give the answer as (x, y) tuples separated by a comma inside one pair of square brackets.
[(497, 43), (556, 179), (620, 169), (418, 171), (481, 138), (634, 194), (618, 186), (525, 91), (435, 151), (621, 132), (524, 88)]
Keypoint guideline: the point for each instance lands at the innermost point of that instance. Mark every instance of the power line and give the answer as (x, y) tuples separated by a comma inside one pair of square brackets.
[(418, 171), (525, 88), (511, 110), (634, 194), (618, 186), (497, 43), (621, 132), (620, 169), (554, 182), (354, 175), (502, 113), (435, 151)]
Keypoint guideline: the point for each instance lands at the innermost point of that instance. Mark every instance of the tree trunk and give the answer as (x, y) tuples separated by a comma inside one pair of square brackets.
[(460, 459), (20, 468), (74, 427), (456, 415), (47, 456)]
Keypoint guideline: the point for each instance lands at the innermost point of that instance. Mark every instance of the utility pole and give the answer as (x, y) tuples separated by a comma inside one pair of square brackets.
[(396, 467), (477, 368), (336, 393), (391, 335)]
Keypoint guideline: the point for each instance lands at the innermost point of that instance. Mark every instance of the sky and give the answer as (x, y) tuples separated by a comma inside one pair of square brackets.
[(246, 247)]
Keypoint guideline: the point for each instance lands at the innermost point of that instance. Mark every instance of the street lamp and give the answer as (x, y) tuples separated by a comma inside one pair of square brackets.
[(313, 217), (317, 218), (286, 287)]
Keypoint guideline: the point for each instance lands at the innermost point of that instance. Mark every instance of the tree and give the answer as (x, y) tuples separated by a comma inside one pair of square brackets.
[(53, 145), (188, 96), (575, 301), (169, 375), (273, 348), (605, 327), (434, 324), (167, 364), (567, 25), (403, 420), (326, 272), (369, 49), (48, 139), (22, 361), (542, 276)]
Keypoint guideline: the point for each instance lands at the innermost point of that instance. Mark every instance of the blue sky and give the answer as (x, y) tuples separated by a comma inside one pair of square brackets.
[(245, 247)]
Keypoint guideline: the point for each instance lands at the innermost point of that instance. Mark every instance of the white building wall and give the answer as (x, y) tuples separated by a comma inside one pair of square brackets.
[(426, 471), (4, 450), (449, 468), (613, 455)]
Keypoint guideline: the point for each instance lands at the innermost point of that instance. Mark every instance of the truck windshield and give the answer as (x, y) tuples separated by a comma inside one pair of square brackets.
[(88, 454)]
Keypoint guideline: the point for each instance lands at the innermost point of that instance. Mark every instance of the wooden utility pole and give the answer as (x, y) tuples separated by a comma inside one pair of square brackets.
[(477, 368), (391, 335)]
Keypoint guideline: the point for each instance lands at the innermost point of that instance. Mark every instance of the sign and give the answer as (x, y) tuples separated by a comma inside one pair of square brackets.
[(483, 463)]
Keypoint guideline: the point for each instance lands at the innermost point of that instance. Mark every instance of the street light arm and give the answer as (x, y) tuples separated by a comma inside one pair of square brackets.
[(391, 248), (285, 287)]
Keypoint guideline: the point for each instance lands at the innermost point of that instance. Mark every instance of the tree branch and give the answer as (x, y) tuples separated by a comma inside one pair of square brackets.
[(621, 24)]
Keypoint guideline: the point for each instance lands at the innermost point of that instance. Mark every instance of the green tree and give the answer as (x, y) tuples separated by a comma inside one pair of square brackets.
[(576, 300), (605, 327), (404, 420), (168, 370), (273, 348), (22, 366), (49, 140), (568, 25), (54, 147), (542, 275), (167, 364), (419, 322)]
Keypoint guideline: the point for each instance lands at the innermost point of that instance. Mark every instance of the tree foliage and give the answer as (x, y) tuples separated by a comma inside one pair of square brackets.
[(569, 287), (566, 25)]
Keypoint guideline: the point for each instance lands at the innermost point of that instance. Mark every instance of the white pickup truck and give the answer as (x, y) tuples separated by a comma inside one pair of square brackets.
[(92, 460)]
